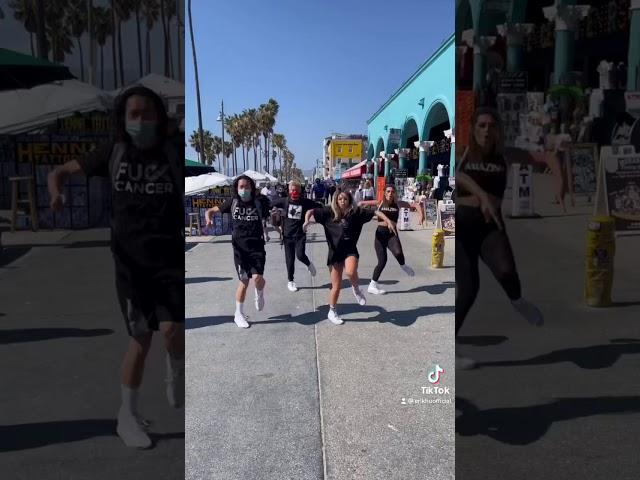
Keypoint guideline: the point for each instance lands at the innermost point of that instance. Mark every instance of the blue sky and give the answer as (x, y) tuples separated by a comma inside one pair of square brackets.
[(330, 64)]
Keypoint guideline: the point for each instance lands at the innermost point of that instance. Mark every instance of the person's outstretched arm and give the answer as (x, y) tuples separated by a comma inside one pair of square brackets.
[(390, 225), (56, 180)]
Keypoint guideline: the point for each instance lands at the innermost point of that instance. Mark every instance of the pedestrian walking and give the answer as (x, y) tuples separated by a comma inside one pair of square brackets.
[(147, 238), (247, 210), (343, 222), (480, 233)]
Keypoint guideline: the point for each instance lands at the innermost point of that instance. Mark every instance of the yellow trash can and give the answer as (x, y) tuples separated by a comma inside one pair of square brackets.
[(437, 248), (601, 246)]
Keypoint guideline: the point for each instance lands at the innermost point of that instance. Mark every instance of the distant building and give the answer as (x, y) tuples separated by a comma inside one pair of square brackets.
[(341, 152)]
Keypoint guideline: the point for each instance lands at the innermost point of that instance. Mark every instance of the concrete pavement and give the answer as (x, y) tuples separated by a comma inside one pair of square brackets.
[(296, 397), (62, 339), (566, 391)]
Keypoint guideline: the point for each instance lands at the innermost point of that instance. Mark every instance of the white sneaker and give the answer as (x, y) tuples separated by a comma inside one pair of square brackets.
[(292, 286), (408, 270), (359, 296), (334, 318), (259, 299), (132, 430), (464, 363), (529, 311), (373, 288), (312, 269), (175, 381), (241, 320)]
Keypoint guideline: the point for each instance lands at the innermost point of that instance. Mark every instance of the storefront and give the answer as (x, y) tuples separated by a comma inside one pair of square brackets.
[(410, 135)]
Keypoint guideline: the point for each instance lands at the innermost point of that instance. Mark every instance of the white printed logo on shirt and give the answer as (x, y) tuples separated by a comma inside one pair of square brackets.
[(295, 212)]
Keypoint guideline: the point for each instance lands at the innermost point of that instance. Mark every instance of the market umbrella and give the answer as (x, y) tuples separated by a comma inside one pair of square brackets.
[(202, 183), (192, 168), (19, 71), (567, 91)]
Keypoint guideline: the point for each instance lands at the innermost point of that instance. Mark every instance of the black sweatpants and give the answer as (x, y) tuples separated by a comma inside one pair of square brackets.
[(295, 247), (386, 239), (475, 238)]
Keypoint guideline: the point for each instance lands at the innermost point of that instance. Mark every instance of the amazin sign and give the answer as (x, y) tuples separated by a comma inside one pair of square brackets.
[(53, 149)]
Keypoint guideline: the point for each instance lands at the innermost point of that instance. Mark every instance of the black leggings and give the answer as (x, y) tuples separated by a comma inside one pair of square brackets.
[(385, 239), (477, 239), (294, 247)]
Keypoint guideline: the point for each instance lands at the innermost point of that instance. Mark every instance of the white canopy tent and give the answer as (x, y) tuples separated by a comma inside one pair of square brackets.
[(25, 110), (256, 176), (202, 183), (163, 86)]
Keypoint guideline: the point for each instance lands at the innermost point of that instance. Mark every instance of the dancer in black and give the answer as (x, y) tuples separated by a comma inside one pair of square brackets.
[(481, 179), (295, 238), (343, 224), (147, 240), (247, 209), (387, 239)]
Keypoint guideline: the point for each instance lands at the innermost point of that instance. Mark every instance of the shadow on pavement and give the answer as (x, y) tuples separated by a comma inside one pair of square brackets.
[(39, 334), (590, 358), (345, 284), (437, 289), (401, 318), (35, 435), (624, 304), (482, 340), (201, 322), (188, 281), (11, 254), (525, 425)]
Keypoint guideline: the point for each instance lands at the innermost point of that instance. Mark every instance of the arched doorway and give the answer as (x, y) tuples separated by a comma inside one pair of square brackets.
[(437, 122), (409, 137)]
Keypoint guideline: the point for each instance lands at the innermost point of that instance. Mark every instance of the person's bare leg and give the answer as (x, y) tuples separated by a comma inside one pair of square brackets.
[(351, 271), (173, 334), (259, 282), (239, 317), (334, 293), (134, 358)]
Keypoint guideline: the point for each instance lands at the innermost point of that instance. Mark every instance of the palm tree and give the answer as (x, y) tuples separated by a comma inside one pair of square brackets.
[(227, 151), (163, 17), (279, 143), (179, 27), (150, 12), (204, 147), (136, 6), (102, 30), (195, 66), (267, 120), (232, 124), (170, 11), (123, 13), (113, 43), (77, 18), (58, 30), (24, 11)]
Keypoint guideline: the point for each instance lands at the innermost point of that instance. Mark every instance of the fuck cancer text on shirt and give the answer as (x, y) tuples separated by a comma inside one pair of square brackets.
[(138, 178)]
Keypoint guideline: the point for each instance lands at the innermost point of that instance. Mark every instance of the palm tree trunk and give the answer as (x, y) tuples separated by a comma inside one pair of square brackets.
[(170, 48), (41, 34), (164, 35), (195, 66), (33, 53), (139, 39), (81, 60), (120, 52), (113, 45), (179, 36), (102, 66), (148, 49)]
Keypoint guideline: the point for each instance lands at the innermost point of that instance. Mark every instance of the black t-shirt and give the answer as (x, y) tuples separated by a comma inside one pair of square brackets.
[(147, 220), (392, 211), (294, 215), (245, 220), (342, 235)]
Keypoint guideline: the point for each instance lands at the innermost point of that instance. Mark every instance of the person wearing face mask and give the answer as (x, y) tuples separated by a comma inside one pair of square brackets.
[(295, 238), (386, 239), (343, 222), (247, 210), (481, 180), (147, 240)]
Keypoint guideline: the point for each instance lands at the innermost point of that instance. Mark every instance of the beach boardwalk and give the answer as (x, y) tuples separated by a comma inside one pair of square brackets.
[(296, 397)]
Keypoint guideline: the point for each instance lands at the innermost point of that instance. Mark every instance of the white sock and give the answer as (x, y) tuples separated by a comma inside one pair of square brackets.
[(129, 399), (332, 307), (239, 306)]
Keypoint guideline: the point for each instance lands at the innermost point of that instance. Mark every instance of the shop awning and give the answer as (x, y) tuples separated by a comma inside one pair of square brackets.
[(356, 171)]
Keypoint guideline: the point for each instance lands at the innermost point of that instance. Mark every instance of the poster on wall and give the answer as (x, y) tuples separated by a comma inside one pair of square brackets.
[(448, 216), (621, 170), (431, 213), (582, 162), (510, 106)]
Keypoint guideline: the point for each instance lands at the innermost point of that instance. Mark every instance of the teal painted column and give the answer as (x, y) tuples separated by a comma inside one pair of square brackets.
[(633, 73), (403, 154), (515, 34), (376, 162), (481, 44), (514, 58), (452, 160), (387, 167), (422, 165), (566, 18)]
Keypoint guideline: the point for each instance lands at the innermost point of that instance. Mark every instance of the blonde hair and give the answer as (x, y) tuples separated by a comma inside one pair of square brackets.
[(295, 183), (337, 213)]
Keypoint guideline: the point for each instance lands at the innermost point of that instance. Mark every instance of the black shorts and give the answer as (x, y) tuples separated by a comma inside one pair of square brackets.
[(148, 297), (248, 262), (340, 255)]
